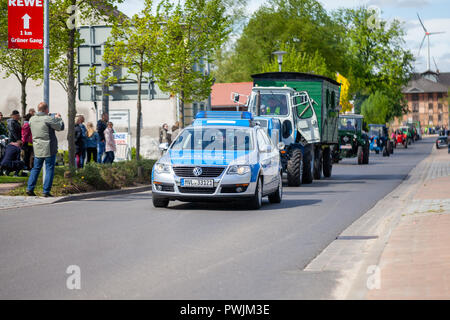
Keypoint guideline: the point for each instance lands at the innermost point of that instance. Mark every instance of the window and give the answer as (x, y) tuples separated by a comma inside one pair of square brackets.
[(273, 104), (415, 97), (430, 107), (440, 106), (440, 95), (430, 97), (430, 119), (415, 107), (440, 117)]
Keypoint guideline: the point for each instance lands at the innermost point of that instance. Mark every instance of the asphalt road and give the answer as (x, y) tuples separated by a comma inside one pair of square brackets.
[(127, 249)]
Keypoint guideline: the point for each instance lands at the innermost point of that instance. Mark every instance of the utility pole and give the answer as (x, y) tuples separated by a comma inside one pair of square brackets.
[(46, 53)]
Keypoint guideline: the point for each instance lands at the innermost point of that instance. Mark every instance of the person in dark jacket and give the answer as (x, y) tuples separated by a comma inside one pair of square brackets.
[(3, 129), (14, 127), (79, 141), (27, 139), (101, 127), (11, 161)]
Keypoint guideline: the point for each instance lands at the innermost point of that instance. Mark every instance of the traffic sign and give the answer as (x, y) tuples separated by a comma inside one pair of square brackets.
[(25, 24)]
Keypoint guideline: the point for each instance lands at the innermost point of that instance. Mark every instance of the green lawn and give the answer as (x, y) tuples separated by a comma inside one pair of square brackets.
[(12, 179)]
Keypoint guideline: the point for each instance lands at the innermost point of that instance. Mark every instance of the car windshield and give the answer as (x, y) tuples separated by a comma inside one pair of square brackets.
[(349, 124), (214, 139), (272, 104), (375, 131)]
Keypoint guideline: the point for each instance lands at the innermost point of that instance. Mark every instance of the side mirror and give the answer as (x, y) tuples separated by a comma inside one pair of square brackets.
[(236, 97), (281, 146), (164, 146)]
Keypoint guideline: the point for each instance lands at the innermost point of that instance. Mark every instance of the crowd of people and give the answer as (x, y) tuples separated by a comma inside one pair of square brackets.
[(165, 136), (30, 142)]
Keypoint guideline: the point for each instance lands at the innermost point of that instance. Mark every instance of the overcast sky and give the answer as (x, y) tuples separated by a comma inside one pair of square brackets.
[(435, 15)]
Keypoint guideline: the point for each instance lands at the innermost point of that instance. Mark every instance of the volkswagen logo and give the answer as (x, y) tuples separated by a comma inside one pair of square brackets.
[(197, 171)]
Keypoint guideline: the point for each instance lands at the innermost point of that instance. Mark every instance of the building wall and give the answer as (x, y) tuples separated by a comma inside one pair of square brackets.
[(431, 109), (154, 113)]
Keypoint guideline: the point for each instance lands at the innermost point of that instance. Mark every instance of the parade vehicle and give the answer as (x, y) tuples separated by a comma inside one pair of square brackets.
[(408, 133), (353, 141), (442, 142), (222, 156), (307, 108), (379, 139), (400, 137)]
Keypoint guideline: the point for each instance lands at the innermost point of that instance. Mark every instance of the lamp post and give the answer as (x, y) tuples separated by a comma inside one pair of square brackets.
[(279, 55)]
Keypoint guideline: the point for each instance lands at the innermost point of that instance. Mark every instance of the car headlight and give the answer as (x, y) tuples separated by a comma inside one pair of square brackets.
[(240, 170), (162, 168)]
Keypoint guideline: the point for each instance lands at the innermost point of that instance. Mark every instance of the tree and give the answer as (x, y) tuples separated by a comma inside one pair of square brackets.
[(21, 63), (192, 34), (134, 44), (64, 39), (376, 108)]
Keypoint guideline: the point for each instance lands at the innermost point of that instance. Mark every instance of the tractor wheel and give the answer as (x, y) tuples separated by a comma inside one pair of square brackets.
[(405, 144), (377, 151), (307, 166), (390, 147), (385, 152), (318, 163), (366, 155), (294, 169), (327, 163), (360, 155)]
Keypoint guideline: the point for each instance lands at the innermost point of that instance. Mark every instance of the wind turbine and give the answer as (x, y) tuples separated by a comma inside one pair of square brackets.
[(427, 35)]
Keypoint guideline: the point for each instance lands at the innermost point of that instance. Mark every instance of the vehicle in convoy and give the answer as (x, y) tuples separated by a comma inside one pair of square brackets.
[(417, 130), (353, 142), (379, 139), (307, 108), (400, 137), (442, 142), (222, 156), (408, 133)]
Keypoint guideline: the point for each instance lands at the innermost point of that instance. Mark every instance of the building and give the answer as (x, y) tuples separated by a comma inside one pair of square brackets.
[(427, 96), (222, 96)]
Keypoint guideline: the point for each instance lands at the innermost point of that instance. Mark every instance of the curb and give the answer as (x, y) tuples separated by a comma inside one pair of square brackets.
[(101, 194)]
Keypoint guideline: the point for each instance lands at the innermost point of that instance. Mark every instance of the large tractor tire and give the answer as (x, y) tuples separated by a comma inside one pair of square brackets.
[(366, 154), (294, 169), (327, 162), (307, 177), (318, 163), (360, 155), (385, 152), (390, 147)]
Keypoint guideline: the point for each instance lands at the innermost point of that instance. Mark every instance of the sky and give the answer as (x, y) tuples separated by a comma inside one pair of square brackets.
[(435, 15)]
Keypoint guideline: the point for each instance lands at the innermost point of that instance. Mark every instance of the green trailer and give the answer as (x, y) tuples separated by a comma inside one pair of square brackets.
[(307, 106)]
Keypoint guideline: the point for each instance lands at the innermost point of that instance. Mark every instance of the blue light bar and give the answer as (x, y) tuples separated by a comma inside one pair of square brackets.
[(224, 115)]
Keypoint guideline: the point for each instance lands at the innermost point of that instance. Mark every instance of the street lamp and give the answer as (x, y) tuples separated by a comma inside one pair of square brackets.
[(279, 55)]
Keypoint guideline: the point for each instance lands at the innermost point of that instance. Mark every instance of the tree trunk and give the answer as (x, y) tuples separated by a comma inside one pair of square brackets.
[(182, 109), (71, 98), (23, 99), (139, 119)]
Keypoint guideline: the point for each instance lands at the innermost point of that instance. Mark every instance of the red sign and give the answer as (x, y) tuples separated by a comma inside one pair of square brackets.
[(26, 24)]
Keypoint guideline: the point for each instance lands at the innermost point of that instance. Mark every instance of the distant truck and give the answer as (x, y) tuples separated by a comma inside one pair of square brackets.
[(307, 109)]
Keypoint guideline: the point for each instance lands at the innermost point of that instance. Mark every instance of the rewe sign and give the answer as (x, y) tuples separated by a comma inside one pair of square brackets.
[(25, 24)]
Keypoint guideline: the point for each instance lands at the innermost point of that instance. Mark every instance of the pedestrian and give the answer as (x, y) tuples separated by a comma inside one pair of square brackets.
[(27, 139), (101, 126), (32, 112), (164, 137), (110, 144), (3, 128), (92, 142), (11, 161), (84, 150), (79, 142), (14, 127), (175, 130), (45, 145)]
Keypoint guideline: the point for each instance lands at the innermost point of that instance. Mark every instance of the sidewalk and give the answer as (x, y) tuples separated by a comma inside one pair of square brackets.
[(415, 263)]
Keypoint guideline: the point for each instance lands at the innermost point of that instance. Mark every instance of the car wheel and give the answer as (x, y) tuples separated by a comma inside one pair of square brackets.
[(277, 196), (256, 201), (159, 202), (294, 169)]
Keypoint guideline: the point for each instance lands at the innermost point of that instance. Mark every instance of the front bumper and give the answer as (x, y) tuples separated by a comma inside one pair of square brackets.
[(168, 185)]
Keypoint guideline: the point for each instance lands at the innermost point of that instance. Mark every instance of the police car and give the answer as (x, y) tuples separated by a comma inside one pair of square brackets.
[(222, 156)]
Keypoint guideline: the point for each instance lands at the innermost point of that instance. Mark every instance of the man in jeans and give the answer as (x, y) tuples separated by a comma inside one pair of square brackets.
[(45, 147), (101, 126)]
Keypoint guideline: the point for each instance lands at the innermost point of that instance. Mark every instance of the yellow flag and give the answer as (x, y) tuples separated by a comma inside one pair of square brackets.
[(345, 99)]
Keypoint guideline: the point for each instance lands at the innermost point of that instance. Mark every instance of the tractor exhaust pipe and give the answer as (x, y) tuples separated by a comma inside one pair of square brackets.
[(258, 103)]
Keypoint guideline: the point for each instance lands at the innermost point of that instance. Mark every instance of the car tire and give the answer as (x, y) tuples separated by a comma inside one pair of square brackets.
[(307, 177), (360, 155), (327, 163), (159, 202), (294, 169), (318, 163), (277, 196), (255, 202)]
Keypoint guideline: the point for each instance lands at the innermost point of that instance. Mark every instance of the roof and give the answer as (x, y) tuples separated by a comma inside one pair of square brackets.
[(419, 84), (221, 93), (293, 76)]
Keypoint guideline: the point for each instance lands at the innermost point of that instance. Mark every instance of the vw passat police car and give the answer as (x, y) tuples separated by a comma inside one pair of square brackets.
[(222, 156)]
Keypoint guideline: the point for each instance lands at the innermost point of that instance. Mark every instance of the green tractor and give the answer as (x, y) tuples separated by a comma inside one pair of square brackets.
[(353, 142), (307, 108)]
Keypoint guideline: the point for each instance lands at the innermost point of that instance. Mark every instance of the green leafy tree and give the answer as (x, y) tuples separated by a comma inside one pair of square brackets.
[(64, 39), (376, 108), (192, 34), (20, 63), (134, 44)]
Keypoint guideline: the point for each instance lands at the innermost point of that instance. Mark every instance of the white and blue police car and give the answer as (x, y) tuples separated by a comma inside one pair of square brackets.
[(222, 156)]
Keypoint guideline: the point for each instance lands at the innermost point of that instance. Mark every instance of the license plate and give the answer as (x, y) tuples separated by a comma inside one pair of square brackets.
[(200, 183), (346, 147)]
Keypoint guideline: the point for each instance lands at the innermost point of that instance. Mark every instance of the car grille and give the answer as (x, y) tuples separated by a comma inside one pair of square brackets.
[(208, 172), (197, 190)]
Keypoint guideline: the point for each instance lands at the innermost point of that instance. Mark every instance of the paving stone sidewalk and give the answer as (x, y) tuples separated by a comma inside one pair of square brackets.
[(9, 202)]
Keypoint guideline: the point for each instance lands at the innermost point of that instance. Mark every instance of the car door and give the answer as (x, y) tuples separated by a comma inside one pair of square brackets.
[(268, 160)]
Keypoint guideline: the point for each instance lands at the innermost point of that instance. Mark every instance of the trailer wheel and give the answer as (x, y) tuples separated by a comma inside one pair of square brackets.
[(318, 163), (327, 163), (307, 166), (360, 155), (294, 169)]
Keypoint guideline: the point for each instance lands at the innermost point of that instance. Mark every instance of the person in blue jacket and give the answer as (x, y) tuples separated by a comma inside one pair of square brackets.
[(92, 140)]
